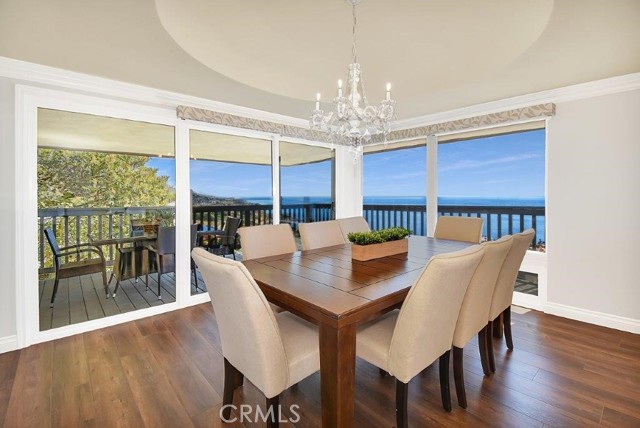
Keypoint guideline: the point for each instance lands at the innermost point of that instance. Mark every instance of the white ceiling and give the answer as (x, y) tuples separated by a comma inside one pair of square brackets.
[(275, 55)]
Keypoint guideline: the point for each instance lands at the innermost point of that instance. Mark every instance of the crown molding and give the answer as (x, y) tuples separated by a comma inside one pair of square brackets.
[(36, 73), (627, 82)]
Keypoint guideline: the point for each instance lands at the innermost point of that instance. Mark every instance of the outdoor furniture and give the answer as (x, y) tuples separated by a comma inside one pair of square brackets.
[(353, 224), (274, 351), (224, 242), (466, 229), (472, 319), (327, 288), (164, 251), (500, 312), (78, 267), (321, 234)]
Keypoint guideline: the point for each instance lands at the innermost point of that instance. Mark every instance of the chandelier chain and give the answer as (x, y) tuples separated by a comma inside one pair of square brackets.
[(354, 48)]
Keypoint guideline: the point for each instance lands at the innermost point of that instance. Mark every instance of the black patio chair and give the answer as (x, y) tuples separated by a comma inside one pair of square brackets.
[(77, 267), (225, 243)]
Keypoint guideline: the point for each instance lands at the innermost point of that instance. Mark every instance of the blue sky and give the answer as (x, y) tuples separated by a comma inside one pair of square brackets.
[(507, 166)]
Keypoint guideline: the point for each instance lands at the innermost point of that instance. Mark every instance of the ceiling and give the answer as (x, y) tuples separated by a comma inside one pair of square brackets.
[(275, 55)]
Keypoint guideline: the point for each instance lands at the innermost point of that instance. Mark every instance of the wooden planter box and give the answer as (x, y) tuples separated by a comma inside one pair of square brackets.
[(375, 251)]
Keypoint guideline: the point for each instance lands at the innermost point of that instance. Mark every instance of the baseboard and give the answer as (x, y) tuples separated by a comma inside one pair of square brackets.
[(593, 317), (8, 343)]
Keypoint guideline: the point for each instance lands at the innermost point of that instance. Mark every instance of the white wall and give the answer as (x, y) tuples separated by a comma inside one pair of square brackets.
[(7, 213), (593, 210)]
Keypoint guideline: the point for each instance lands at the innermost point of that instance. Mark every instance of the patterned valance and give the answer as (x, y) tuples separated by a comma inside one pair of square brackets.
[(539, 111)]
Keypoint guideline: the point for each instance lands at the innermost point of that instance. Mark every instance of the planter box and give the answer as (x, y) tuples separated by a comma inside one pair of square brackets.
[(375, 251)]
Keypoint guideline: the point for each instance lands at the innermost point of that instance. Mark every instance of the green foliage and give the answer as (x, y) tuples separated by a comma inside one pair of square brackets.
[(69, 179), (378, 236)]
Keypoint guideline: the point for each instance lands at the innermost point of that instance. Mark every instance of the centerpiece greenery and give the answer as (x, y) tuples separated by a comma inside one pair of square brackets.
[(378, 243)]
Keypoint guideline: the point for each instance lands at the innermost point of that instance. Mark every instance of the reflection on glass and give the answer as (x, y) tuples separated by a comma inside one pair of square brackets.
[(306, 184), (394, 188), (231, 186), (106, 191)]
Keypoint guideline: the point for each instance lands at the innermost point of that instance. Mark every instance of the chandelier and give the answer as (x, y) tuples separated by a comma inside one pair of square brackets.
[(353, 122)]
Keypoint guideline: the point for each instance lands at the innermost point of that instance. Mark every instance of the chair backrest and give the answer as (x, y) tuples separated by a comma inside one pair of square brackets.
[(503, 291), (353, 224), (467, 229), (321, 234), (230, 228), (166, 240), (194, 235), (53, 243), (249, 332), (477, 300), (427, 319), (266, 240)]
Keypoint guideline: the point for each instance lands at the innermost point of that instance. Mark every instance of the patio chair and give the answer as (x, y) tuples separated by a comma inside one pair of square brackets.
[(225, 243), (78, 267), (164, 251)]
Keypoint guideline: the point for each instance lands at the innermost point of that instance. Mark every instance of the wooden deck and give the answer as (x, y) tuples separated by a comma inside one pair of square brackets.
[(82, 298), (167, 371)]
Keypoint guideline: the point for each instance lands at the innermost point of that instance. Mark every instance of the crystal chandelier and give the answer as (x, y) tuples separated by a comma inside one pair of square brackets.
[(354, 122)]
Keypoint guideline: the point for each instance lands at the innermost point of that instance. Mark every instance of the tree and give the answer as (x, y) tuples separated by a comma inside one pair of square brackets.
[(68, 179)]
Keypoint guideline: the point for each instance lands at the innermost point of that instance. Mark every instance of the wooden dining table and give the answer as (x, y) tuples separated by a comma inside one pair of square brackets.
[(326, 287)]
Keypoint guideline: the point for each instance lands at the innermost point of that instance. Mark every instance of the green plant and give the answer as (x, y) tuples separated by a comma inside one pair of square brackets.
[(378, 236)]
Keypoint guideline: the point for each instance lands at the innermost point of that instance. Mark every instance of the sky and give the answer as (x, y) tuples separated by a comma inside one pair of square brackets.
[(506, 166)]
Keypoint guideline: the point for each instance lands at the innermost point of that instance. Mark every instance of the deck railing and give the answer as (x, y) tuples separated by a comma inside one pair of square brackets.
[(75, 225)]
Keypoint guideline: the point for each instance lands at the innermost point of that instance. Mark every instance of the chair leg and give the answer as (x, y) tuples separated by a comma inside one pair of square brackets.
[(104, 281), (484, 353), (506, 318), (55, 290), (458, 376), (273, 412), (444, 381), (497, 327), (158, 260), (195, 275), (489, 336), (382, 372), (232, 380), (402, 417)]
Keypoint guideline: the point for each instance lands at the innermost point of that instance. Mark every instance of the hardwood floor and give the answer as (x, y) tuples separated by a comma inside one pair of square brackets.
[(167, 371)]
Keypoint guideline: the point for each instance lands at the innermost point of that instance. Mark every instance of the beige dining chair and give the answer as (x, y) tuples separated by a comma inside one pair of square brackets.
[(320, 234), (503, 291), (266, 240), (353, 224), (404, 342), (472, 319), (467, 229), (273, 351)]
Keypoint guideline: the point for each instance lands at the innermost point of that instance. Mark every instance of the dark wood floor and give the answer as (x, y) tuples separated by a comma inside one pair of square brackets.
[(166, 371)]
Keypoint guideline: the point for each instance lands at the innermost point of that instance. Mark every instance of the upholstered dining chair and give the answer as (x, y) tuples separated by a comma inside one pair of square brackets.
[(503, 291), (467, 229), (320, 234), (77, 267), (266, 240), (273, 351), (353, 224), (404, 342), (472, 319)]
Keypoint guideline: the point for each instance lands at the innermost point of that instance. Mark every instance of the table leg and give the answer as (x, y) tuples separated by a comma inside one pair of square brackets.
[(337, 374)]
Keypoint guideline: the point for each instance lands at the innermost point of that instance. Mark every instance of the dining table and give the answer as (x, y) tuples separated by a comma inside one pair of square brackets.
[(326, 287)]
